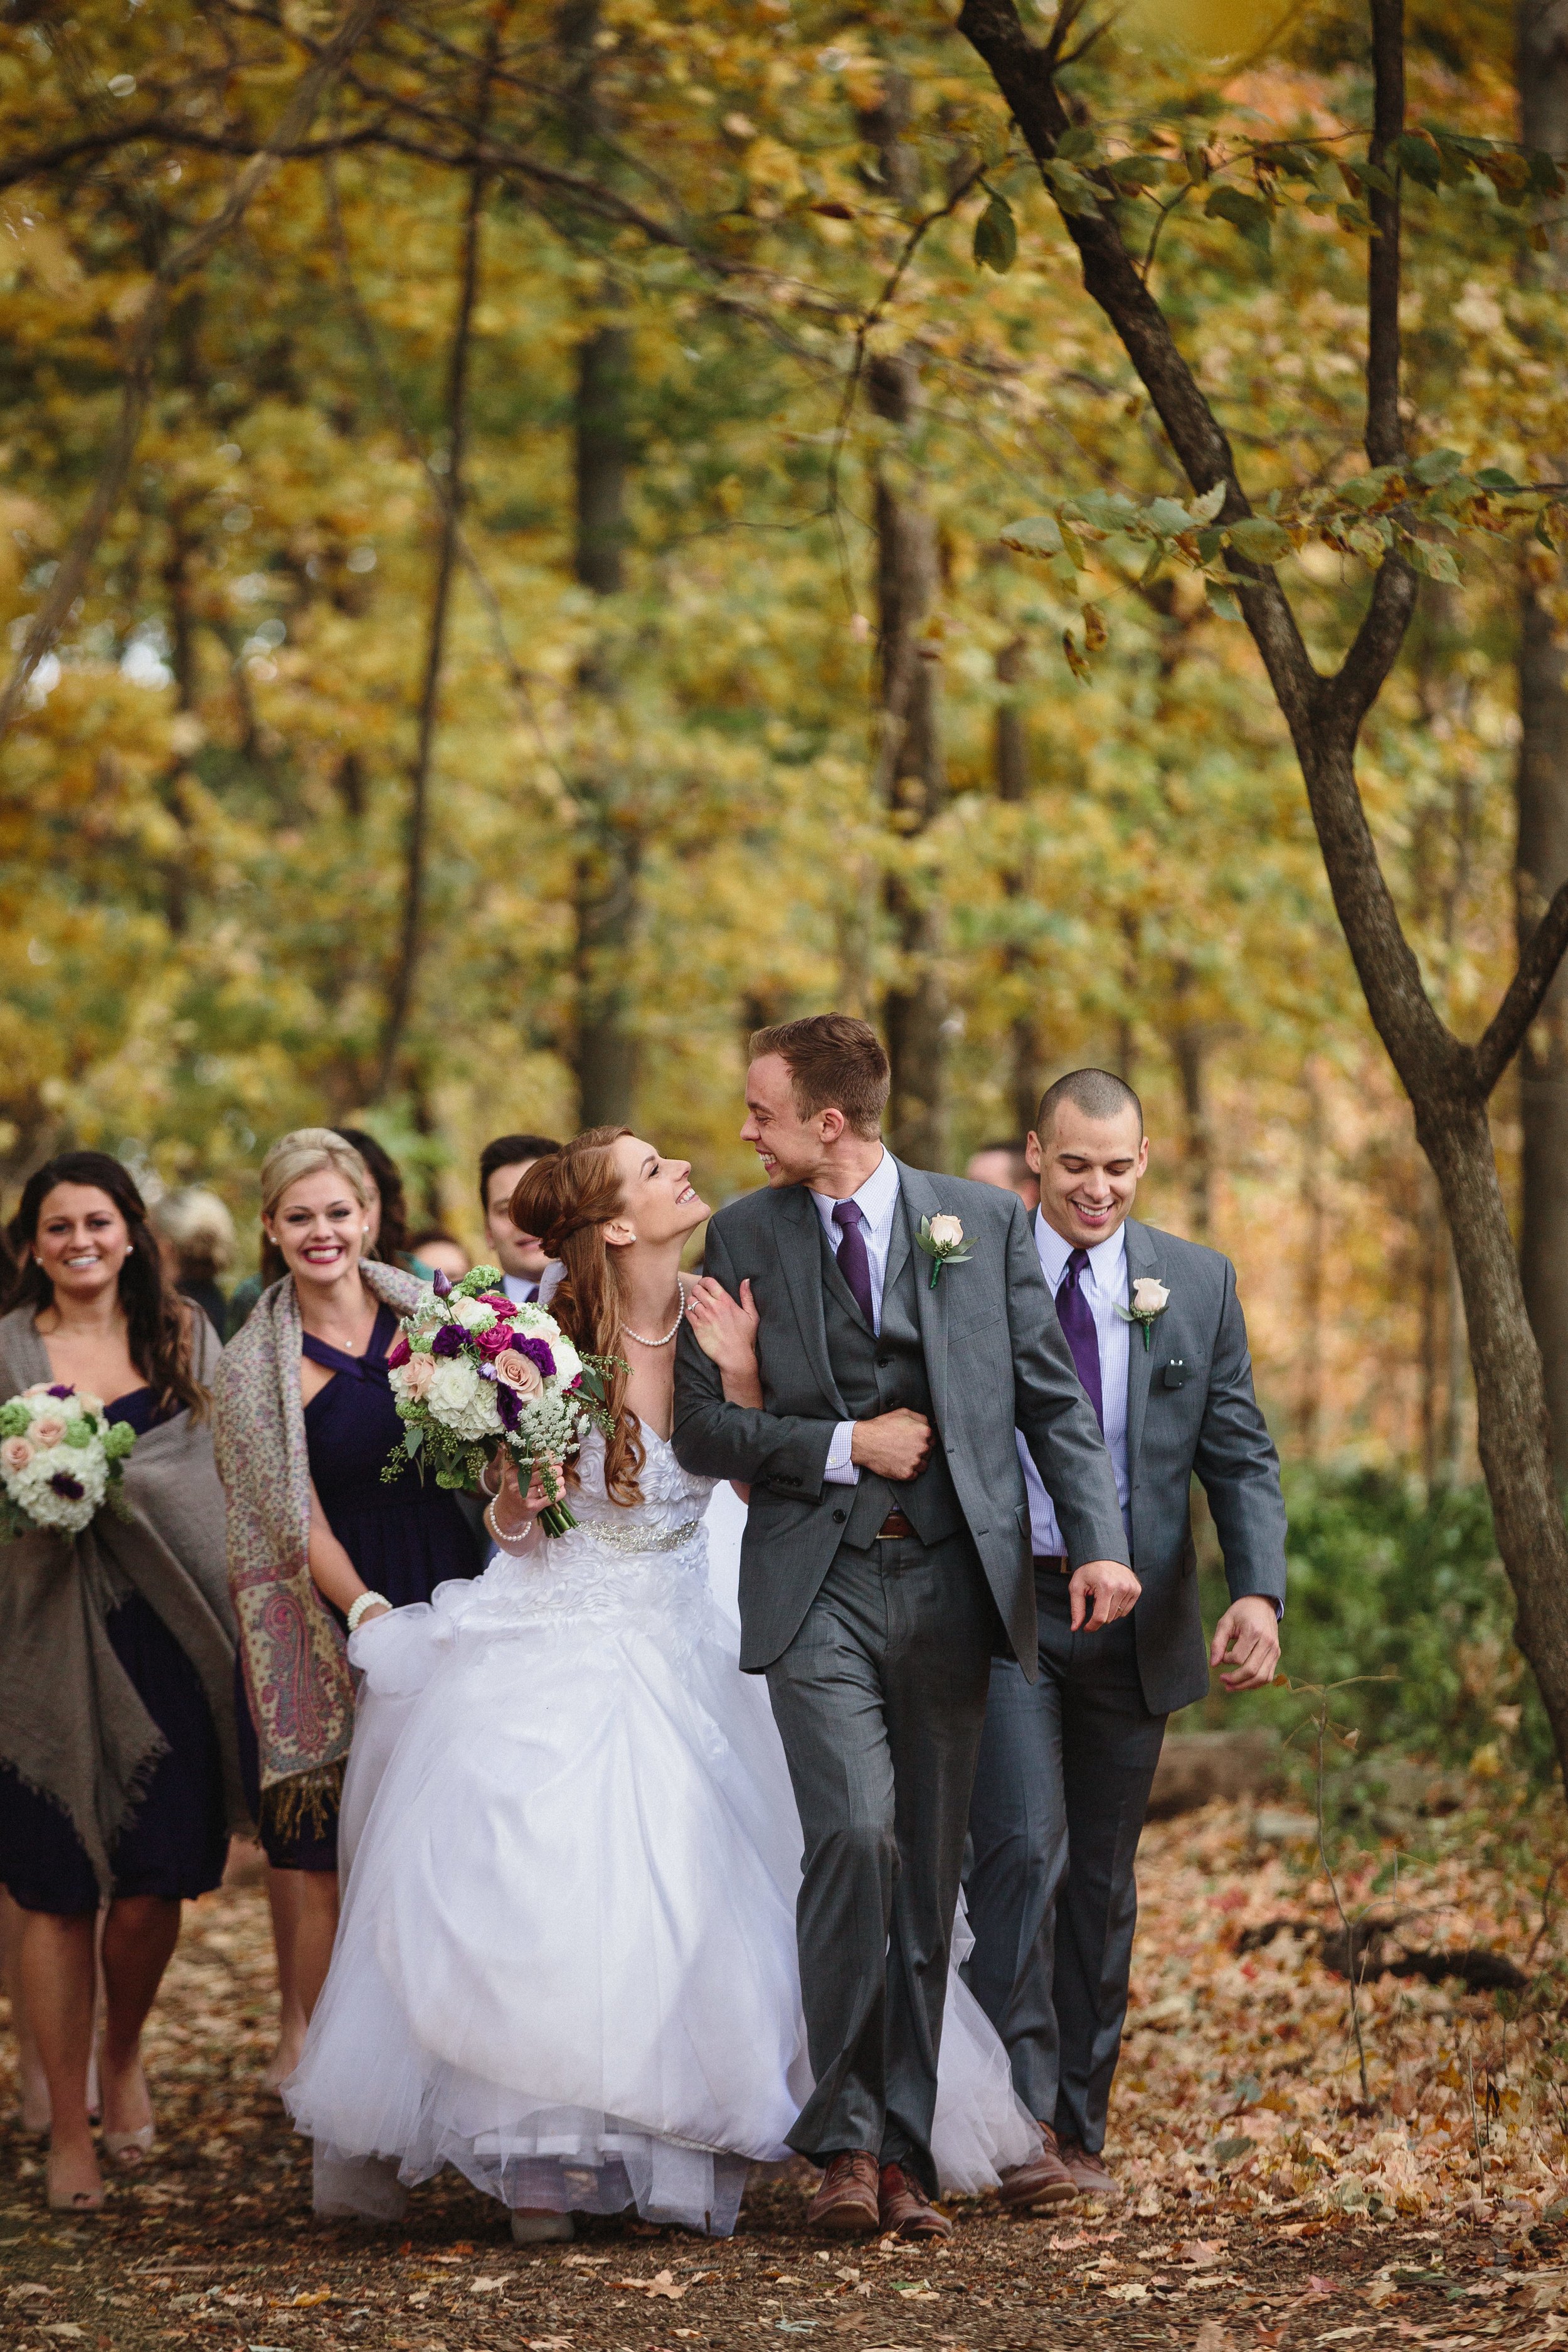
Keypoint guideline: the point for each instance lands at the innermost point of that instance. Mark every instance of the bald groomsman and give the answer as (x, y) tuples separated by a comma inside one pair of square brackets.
[(1066, 1762)]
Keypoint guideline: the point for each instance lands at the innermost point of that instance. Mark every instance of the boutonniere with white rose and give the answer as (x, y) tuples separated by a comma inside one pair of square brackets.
[(941, 1238), (1150, 1301)]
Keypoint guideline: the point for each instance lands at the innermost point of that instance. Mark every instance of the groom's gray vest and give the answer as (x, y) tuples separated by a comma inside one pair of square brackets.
[(878, 1374)]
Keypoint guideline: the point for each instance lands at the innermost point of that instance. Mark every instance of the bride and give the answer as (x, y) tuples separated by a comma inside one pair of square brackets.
[(566, 1961)]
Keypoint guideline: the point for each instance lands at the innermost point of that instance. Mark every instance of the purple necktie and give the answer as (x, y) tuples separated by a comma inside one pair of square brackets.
[(1075, 1316), (853, 1263)]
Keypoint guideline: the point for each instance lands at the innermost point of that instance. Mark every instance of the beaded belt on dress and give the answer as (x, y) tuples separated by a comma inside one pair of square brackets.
[(639, 1538)]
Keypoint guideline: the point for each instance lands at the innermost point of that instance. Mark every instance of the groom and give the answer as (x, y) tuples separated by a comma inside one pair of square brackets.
[(886, 1558)]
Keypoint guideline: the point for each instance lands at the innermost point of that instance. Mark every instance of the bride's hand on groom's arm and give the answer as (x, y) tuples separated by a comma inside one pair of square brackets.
[(725, 1328)]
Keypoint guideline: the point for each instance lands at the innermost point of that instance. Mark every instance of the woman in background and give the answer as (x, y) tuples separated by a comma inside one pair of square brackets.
[(118, 1780), (196, 1240), (317, 1538)]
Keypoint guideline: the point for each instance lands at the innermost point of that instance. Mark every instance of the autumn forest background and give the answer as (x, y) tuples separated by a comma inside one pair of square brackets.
[(560, 608)]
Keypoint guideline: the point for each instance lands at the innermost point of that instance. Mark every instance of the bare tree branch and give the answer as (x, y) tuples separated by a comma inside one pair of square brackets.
[(137, 383), (1504, 1033)]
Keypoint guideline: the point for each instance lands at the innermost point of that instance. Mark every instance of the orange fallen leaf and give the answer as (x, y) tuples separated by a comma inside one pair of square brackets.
[(662, 2283)]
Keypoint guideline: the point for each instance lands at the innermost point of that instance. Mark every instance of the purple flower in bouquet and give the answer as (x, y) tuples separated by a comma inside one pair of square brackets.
[(440, 1283), (537, 1352), (62, 1389), (448, 1340), (400, 1350), (64, 1484), (509, 1404)]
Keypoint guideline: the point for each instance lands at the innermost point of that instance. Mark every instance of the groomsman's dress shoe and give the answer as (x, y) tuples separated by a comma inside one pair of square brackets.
[(532, 2228), (846, 2204), (1044, 2180), (904, 2207), (1089, 2174)]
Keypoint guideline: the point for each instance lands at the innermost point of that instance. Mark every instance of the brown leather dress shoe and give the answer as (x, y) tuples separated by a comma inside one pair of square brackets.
[(845, 2205), (1088, 2174), (906, 2210), (1044, 2180)]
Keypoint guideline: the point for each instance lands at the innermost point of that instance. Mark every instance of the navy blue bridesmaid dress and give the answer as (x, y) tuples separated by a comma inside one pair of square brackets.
[(175, 1844), (404, 1536)]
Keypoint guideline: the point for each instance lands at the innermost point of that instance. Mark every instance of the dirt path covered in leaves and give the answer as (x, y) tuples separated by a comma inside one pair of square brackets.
[(1267, 2205)]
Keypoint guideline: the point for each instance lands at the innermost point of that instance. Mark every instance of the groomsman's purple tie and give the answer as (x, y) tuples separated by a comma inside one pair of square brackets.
[(1077, 1319), (853, 1263)]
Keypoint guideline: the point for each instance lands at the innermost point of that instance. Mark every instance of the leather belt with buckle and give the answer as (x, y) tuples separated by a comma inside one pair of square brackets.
[(1054, 1562), (895, 1524)]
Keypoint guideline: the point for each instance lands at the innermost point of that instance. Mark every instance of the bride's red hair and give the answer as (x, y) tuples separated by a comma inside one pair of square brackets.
[(567, 1199)]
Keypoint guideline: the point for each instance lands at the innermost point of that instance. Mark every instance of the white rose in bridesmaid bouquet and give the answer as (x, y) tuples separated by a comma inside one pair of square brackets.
[(568, 1362), (473, 1314)]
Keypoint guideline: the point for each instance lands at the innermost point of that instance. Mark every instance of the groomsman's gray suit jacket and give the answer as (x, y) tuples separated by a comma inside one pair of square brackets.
[(1190, 1406), (995, 1359)]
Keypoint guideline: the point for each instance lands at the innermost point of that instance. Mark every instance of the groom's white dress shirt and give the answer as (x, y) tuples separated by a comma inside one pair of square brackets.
[(520, 1289), (1104, 1284), (878, 1201)]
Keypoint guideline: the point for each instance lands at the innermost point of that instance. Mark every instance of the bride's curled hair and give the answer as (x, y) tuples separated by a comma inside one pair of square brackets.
[(566, 1201)]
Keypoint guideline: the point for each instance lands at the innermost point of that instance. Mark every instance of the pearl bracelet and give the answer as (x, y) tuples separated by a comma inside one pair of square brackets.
[(513, 1541), (367, 1600)]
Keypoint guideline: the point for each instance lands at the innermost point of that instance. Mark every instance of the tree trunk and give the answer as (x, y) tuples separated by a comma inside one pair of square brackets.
[(1449, 1082), (1011, 754), (1190, 1053), (1542, 857), (411, 933), (608, 859), (913, 785)]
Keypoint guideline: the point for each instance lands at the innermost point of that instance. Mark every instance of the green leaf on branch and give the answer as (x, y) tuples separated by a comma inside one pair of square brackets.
[(1248, 214), (1074, 143), (1436, 562), (1073, 193), (1419, 157), (1493, 477), (1436, 466), (1258, 540), (1222, 602), (1168, 517), (996, 238), (1137, 171), (1036, 535), (1204, 510)]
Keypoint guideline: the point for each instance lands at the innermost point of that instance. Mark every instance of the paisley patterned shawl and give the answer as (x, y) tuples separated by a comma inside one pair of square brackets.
[(296, 1670)]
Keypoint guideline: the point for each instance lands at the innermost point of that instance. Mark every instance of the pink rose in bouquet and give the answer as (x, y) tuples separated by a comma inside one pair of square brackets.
[(417, 1375), (493, 1342), (519, 1372), (49, 1429), (15, 1454)]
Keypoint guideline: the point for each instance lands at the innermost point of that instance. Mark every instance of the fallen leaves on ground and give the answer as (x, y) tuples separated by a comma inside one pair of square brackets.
[(1434, 2215)]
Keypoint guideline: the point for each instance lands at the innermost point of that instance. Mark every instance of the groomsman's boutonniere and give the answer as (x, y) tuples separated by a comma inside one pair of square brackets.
[(1150, 1301), (941, 1238)]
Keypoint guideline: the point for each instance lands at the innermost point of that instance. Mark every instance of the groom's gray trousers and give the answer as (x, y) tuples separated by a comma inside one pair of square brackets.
[(1066, 1766), (880, 1701)]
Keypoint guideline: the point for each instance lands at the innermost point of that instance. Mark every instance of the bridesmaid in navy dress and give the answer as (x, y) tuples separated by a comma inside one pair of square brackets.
[(377, 1543), (94, 1309)]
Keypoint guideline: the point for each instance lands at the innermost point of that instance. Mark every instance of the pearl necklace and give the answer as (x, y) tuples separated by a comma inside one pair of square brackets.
[(674, 1328)]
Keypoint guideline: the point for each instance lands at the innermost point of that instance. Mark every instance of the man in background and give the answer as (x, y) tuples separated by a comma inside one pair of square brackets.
[(1066, 1762), (503, 1164), (1007, 1166)]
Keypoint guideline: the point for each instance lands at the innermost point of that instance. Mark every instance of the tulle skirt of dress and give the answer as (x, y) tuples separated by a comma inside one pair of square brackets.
[(567, 1963)]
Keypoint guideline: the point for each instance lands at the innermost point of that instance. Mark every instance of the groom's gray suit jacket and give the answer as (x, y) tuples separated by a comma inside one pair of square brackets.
[(991, 1357), (1190, 1407)]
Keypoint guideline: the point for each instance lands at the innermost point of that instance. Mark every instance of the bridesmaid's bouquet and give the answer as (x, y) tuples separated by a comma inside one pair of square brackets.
[(61, 1459), (471, 1370)]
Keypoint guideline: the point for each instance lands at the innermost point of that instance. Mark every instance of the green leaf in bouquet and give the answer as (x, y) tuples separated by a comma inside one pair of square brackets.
[(413, 1439), (14, 1417)]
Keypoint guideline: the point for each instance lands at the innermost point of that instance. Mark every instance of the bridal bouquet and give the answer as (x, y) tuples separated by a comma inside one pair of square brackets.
[(472, 1369), (61, 1459)]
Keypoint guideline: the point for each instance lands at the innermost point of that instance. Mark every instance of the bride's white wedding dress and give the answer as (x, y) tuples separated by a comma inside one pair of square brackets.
[(566, 1962)]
